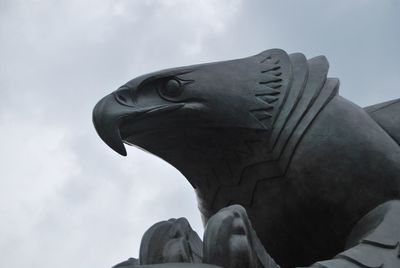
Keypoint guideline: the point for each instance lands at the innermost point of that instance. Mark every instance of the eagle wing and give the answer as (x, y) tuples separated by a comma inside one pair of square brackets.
[(387, 115)]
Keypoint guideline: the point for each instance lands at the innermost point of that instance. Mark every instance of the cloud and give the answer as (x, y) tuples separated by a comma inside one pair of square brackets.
[(67, 200)]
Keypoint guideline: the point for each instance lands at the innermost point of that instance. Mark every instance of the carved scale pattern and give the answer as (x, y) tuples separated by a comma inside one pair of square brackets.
[(244, 165), (241, 164), (269, 91)]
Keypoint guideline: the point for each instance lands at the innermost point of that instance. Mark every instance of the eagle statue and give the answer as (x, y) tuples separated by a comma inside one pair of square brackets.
[(287, 172)]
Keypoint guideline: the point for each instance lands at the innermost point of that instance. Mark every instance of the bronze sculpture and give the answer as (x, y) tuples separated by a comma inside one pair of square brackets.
[(270, 133)]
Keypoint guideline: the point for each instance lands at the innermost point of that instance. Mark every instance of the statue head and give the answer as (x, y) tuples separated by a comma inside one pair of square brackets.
[(236, 94)]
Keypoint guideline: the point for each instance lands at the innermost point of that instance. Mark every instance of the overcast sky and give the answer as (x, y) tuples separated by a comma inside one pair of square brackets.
[(66, 199)]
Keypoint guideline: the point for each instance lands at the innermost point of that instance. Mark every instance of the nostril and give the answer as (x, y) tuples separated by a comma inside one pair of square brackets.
[(121, 98)]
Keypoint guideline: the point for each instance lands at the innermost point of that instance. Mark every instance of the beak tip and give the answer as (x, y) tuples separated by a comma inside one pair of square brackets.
[(107, 124), (116, 144), (123, 152)]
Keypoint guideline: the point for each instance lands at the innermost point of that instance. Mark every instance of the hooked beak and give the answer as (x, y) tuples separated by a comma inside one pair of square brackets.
[(109, 115)]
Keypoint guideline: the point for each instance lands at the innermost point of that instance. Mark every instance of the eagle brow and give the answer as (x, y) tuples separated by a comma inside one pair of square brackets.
[(163, 76)]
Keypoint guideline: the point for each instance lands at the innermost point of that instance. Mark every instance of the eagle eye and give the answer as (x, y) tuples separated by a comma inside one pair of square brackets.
[(171, 88)]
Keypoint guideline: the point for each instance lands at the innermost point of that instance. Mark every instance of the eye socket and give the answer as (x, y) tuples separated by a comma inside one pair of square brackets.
[(171, 88)]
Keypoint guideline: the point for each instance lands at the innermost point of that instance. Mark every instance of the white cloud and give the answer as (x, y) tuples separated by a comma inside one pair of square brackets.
[(66, 199)]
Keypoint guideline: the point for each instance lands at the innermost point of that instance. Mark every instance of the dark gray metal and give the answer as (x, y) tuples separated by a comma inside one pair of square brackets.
[(271, 133), (374, 242), (230, 241), (172, 265), (170, 241)]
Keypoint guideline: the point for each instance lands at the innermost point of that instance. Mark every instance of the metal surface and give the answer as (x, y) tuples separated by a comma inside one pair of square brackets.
[(271, 133)]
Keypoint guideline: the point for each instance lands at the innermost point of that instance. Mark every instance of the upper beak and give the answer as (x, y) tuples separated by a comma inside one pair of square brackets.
[(109, 114), (107, 118)]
